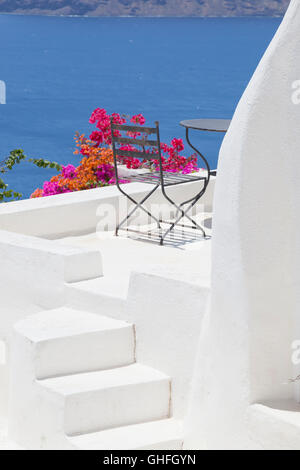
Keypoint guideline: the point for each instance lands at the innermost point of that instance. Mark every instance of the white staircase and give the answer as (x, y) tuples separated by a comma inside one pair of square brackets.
[(156, 435), (75, 384), (67, 341), (100, 400)]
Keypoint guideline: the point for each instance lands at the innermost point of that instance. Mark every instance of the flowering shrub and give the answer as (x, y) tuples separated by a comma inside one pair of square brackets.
[(16, 157), (96, 166)]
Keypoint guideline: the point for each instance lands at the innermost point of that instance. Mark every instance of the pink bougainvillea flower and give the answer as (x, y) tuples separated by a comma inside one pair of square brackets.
[(96, 167), (52, 188), (105, 172), (97, 137), (69, 171), (138, 119), (97, 115), (178, 144)]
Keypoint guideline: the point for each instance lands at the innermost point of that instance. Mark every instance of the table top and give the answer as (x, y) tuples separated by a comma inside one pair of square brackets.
[(210, 125)]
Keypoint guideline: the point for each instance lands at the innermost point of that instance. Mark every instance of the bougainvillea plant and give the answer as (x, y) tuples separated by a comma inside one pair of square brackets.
[(96, 166), (15, 158)]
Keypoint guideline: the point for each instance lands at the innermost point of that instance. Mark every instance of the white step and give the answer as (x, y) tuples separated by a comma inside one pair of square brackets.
[(275, 426), (101, 400), (68, 341), (5, 442), (100, 295), (156, 435)]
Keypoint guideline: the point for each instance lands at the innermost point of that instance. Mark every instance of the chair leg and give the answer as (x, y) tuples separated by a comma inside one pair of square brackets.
[(184, 213), (138, 205), (193, 201)]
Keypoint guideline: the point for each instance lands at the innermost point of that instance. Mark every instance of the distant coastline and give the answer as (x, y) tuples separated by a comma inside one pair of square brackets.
[(147, 8), (55, 15)]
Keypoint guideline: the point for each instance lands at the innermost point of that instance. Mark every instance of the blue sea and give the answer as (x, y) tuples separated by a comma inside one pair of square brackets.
[(57, 70)]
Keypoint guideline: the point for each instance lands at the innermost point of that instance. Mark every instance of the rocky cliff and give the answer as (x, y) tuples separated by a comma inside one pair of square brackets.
[(146, 7)]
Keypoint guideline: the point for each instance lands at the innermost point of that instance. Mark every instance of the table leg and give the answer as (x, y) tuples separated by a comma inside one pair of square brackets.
[(198, 153), (196, 198)]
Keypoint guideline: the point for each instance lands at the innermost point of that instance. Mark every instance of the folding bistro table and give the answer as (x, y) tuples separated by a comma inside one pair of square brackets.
[(205, 125)]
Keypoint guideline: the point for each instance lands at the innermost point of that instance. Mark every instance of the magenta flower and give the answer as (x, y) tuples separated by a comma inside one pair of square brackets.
[(69, 171), (105, 173), (51, 188)]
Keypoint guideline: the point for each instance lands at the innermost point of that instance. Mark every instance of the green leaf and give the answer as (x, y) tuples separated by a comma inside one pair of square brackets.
[(15, 157)]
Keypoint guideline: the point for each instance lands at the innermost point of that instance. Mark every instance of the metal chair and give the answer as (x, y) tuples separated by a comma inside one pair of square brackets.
[(159, 179)]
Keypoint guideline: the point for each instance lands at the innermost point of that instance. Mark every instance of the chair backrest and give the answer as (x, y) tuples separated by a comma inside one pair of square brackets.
[(136, 136)]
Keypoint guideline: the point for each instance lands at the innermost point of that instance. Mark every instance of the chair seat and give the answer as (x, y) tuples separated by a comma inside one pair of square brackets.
[(153, 177)]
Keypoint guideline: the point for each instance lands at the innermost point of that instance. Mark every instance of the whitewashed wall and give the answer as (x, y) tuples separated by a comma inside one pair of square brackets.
[(245, 349)]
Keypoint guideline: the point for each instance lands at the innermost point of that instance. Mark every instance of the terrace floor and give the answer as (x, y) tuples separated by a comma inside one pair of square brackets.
[(186, 255)]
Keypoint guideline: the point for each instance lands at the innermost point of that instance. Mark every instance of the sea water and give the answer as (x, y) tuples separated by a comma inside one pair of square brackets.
[(58, 69)]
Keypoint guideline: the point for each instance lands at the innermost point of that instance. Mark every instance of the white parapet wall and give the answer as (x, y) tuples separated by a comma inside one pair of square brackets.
[(80, 212)]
